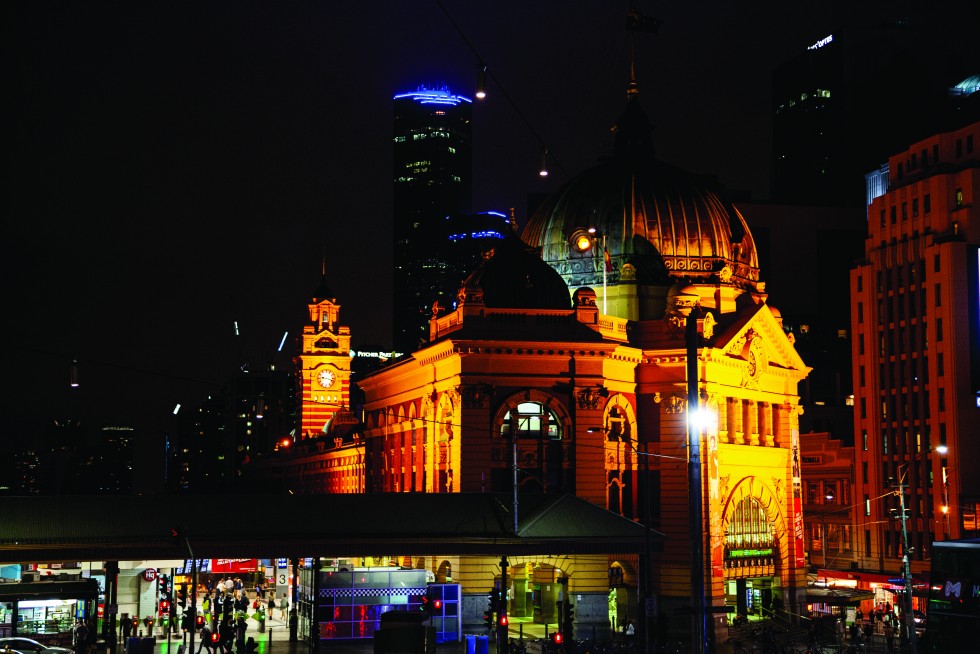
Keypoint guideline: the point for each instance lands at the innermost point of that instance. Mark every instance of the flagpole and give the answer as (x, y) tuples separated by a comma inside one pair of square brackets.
[(605, 269)]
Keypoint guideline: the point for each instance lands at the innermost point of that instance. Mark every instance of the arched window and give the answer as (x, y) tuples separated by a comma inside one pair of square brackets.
[(531, 420), (749, 539), (532, 431)]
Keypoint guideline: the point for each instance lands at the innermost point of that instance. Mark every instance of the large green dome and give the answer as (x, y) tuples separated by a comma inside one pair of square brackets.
[(665, 223)]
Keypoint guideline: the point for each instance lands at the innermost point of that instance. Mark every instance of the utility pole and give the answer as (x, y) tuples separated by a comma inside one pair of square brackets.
[(699, 632), (908, 624)]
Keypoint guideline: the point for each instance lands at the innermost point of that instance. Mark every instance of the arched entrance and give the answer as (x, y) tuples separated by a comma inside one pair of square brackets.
[(754, 535)]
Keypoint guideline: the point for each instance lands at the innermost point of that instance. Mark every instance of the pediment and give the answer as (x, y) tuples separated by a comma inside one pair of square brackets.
[(758, 333)]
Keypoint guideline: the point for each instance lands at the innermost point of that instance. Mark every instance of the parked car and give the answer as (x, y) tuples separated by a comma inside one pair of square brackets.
[(31, 646)]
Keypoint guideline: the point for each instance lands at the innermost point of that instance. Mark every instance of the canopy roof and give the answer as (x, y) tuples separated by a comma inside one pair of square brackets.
[(105, 528)]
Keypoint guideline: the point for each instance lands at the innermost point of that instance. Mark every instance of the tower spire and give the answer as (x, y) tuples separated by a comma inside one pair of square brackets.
[(636, 21)]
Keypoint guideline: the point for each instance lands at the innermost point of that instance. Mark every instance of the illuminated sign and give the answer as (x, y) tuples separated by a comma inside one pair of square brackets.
[(821, 43), (384, 356), (744, 554), (434, 96)]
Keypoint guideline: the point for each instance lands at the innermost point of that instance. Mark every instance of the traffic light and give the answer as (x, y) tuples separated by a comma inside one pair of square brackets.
[(488, 618), (164, 606), (557, 638), (199, 621), (182, 596), (569, 620), (502, 620), (431, 603)]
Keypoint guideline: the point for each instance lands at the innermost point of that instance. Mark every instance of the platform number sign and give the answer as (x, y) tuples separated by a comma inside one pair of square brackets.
[(281, 581)]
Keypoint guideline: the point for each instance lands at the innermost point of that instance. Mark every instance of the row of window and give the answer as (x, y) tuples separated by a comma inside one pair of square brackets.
[(912, 163), (926, 209), (904, 276)]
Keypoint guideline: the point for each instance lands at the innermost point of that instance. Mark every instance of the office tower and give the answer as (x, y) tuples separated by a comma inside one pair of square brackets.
[(878, 77), (916, 351), (432, 181)]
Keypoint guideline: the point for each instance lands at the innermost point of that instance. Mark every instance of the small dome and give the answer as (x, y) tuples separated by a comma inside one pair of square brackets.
[(342, 424), (513, 276)]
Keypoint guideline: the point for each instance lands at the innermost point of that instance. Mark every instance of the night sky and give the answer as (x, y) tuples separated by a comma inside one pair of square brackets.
[(173, 169)]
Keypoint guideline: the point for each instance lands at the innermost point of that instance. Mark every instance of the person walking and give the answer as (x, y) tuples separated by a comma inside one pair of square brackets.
[(283, 608), (205, 639)]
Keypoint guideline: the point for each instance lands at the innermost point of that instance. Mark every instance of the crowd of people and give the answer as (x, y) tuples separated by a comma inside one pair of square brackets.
[(226, 606), (882, 621)]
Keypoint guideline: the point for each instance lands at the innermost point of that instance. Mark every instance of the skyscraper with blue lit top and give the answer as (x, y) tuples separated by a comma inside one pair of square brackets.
[(432, 179)]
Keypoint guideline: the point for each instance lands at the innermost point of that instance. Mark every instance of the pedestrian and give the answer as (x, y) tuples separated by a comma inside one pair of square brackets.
[(272, 604), (127, 626), (259, 591), (205, 639), (80, 636), (889, 636), (869, 632), (240, 627), (283, 608), (859, 615)]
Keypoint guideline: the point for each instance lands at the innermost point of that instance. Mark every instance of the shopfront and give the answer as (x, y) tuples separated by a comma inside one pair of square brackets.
[(47, 610)]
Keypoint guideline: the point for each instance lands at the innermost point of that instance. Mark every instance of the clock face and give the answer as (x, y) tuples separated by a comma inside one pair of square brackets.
[(326, 378)]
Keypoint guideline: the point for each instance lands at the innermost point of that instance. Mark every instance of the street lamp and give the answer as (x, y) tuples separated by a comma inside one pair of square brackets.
[(700, 631)]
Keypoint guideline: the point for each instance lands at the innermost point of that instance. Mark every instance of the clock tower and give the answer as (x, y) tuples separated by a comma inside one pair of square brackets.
[(323, 364)]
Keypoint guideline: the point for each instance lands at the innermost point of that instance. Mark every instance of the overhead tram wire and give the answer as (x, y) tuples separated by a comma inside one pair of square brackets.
[(481, 62)]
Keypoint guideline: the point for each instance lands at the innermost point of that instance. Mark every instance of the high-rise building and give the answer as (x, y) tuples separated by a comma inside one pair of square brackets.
[(916, 351), (432, 179), (878, 76)]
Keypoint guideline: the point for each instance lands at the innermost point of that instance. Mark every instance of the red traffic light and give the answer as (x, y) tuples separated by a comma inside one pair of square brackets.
[(200, 620), (436, 604), (557, 638), (502, 621)]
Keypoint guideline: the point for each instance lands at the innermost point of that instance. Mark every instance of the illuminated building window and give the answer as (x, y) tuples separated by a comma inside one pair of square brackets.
[(959, 198), (531, 421), (749, 538)]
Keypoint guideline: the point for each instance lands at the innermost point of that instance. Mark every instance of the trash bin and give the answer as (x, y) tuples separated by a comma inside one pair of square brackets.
[(482, 645), (470, 644)]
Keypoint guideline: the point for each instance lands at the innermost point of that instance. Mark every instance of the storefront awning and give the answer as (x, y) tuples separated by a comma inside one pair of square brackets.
[(837, 596)]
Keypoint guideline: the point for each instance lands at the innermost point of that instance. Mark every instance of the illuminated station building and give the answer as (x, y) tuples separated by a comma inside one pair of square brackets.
[(571, 340), (916, 350)]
